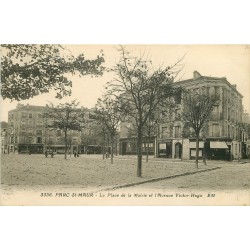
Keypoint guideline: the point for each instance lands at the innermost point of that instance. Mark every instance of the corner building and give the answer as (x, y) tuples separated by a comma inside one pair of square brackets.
[(221, 138)]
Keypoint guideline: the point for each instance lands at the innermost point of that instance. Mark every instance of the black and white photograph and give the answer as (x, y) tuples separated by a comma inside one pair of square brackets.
[(125, 124)]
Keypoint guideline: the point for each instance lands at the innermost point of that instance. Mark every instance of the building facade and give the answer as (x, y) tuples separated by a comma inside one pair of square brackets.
[(246, 135), (4, 141), (222, 137), (28, 132)]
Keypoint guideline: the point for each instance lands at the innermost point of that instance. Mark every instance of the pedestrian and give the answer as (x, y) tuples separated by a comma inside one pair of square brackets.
[(74, 153), (46, 154), (107, 155)]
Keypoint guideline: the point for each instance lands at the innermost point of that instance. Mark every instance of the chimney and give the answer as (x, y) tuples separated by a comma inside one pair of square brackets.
[(196, 75), (19, 105)]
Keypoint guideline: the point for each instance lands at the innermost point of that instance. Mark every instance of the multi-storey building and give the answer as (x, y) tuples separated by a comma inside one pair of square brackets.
[(221, 137), (28, 132), (246, 135), (4, 128)]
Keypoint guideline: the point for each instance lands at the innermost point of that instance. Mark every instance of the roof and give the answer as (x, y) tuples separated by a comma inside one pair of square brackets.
[(34, 108), (28, 107), (198, 77)]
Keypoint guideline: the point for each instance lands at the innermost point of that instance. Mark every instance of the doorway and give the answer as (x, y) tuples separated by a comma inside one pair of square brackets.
[(178, 150)]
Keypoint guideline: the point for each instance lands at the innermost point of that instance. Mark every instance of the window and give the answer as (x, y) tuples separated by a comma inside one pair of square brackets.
[(58, 133), (39, 140), (215, 112), (228, 131), (177, 115), (39, 116), (30, 115), (177, 131), (23, 115), (39, 124), (177, 98), (215, 130), (39, 132), (165, 132)]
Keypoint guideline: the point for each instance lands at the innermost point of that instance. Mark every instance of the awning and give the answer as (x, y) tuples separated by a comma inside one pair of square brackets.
[(193, 144), (218, 144)]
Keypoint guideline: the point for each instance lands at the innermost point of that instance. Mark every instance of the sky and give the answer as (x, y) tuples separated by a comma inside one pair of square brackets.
[(230, 61)]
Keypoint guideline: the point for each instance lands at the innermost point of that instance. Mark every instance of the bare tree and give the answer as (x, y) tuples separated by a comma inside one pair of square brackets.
[(66, 117), (97, 133), (108, 111), (197, 108), (142, 89)]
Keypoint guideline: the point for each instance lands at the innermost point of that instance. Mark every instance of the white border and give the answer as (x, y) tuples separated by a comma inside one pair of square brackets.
[(160, 22)]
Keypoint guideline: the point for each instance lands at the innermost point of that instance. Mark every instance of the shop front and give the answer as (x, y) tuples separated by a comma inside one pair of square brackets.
[(30, 148), (219, 150), (128, 146), (165, 149), (192, 148)]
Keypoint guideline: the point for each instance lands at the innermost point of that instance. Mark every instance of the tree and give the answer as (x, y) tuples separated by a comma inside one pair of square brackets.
[(197, 108), (149, 131), (95, 133), (109, 112), (65, 117), (29, 70), (142, 90)]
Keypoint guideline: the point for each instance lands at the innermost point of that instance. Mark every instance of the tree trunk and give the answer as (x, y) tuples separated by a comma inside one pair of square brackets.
[(103, 152), (147, 149), (139, 153), (182, 148), (197, 151), (116, 145), (103, 147), (112, 151), (66, 144)]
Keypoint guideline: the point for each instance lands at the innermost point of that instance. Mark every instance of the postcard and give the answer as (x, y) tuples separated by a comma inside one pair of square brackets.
[(114, 125)]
